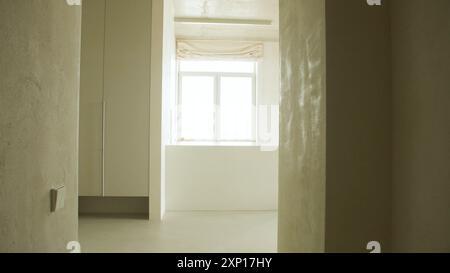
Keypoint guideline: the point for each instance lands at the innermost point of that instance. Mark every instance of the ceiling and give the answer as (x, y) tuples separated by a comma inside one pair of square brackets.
[(228, 9)]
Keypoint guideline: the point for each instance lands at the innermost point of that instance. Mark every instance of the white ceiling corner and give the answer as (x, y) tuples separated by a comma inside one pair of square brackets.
[(228, 9)]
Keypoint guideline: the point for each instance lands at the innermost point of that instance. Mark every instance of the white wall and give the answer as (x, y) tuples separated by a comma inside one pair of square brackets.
[(269, 94), (156, 208), (228, 178), (169, 86), (269, 75), (221, 178), (162, 87)]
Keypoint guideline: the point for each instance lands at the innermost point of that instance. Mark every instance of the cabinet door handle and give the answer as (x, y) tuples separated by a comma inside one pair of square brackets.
[(103, 146)]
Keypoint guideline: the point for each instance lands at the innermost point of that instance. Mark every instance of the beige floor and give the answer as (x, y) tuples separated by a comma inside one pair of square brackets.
[(242, 232)]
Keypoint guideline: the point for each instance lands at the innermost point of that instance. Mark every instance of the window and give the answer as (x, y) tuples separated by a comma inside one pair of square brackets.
[(217, 101)]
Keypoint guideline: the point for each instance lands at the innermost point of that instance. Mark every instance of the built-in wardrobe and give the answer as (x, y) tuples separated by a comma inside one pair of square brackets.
[(115, 99)]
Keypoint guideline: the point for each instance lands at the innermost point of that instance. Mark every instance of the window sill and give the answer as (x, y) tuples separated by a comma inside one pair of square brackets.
[(214, 144)]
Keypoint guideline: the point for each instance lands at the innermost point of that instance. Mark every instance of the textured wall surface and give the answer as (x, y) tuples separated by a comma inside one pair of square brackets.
[(358, 126), (302, 126), (39, 87), (421, 84)]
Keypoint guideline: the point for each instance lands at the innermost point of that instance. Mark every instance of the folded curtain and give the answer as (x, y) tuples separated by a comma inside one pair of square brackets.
[(215, 49)]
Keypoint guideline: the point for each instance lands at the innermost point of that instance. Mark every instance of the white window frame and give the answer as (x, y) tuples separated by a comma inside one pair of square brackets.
[(217, 78)]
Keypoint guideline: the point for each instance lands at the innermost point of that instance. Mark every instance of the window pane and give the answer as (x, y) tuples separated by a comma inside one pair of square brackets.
[(217, 66), (236, 111), (197, 108)]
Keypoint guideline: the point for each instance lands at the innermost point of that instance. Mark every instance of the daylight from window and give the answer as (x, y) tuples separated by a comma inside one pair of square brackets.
[(216, 101)]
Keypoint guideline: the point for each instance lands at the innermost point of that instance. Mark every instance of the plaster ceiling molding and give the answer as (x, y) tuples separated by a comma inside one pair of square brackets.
[(227, 19)]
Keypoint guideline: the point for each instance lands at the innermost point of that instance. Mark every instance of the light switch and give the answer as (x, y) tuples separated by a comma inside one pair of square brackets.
[(57, 197)]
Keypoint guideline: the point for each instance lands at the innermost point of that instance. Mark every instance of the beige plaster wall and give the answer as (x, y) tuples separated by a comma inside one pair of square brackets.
[(39, 88), (421, 156), (302, 127), (358, 126)]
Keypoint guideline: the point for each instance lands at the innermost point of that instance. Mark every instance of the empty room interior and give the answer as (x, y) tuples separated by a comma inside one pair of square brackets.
[(218, 180), (224, 126)]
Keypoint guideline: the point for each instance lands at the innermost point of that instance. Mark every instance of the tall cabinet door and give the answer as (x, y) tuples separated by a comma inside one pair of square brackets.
[(91, 99), (127, 97)]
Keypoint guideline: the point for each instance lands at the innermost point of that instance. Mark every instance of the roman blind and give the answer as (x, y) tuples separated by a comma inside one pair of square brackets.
[(215, 49)]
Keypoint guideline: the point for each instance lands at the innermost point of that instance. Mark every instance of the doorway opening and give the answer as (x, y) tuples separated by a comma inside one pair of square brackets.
[(215, 129)]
